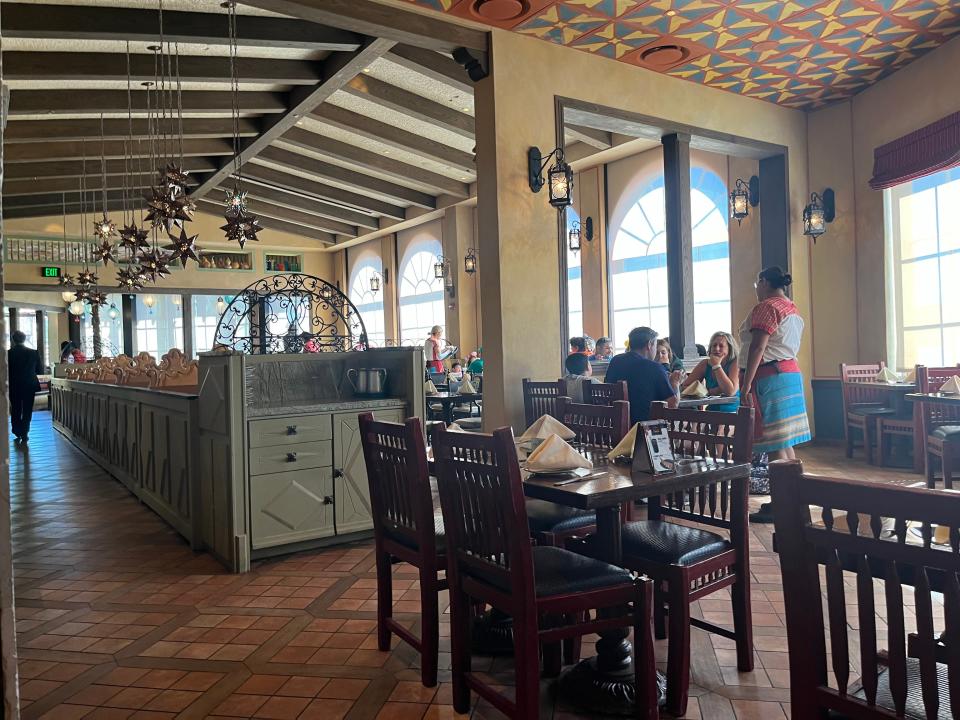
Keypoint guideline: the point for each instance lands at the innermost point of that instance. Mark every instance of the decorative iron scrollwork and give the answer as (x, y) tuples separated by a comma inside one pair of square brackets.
[(291, 313)]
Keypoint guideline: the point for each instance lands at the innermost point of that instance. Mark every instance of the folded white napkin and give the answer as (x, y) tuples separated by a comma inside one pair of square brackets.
[(951, 386), (696, 390), (887, 375), (624, 448), (911, 376), (429, 388), (467, 388), (545, 426), (467, 377), (555, 454), (453, 427)]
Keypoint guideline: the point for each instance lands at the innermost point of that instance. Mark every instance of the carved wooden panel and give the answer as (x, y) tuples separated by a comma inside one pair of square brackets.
[(291, 507)]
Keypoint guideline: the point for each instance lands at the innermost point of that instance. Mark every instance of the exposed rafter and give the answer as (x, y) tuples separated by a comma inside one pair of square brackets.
[(66, 22), (374, 162), (433, 65), (75, 169), (112, 149), (26, 131), (51, 185), (411, 105), (337, 71), (270, 223), (284, 198), (346, 177), (94, 102), (262, 208), (598, 139)]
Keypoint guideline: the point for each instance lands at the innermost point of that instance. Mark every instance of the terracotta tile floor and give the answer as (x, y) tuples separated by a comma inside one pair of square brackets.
[(117, 618)]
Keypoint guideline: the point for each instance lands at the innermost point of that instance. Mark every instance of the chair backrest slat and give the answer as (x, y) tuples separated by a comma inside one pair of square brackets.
[(540, 398), (604, 393), (863, 528), (484, 514), (602, 426), (400, 497), (853, 395), (930, 380)]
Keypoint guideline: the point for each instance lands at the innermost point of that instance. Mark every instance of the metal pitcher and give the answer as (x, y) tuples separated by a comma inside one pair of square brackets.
[(359, 379), (376, 380)]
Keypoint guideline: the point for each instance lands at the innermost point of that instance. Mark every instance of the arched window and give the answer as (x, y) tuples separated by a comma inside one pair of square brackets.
[(369, 303), (638, 260), (574, 283), (421, 292)]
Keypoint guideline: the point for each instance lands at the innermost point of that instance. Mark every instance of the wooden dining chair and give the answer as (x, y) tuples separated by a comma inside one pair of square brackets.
[(406, 528), (689, 563), (540, 398), (862, 407), (604, 393), (941, 426), (859, 533), (492, 561), (602, 426)]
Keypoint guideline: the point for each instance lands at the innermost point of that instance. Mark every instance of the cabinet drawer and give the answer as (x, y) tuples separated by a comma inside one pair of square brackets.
[(284, 458), (291, 507), (289, 431)]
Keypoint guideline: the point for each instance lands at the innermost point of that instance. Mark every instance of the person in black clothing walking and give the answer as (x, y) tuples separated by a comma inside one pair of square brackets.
[(24, 365)]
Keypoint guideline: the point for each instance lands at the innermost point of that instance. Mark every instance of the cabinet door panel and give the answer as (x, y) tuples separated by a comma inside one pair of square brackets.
[(351, 492), (291, 507)]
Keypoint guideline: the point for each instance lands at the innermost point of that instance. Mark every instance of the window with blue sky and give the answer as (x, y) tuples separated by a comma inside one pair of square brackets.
[(420, 292), (369, 303)]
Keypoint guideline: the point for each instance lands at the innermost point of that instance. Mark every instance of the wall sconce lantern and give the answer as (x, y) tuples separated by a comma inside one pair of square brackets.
[(743, 197), (221, 305), (559, 177), (376, 280), (113, 313), (576, 233), (470, 261), (820, 211), (76, 308), (149, 301), (439, 269)]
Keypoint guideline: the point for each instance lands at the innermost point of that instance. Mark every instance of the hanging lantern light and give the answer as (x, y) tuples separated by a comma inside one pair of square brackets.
[(68, 296), (221, 305), (574, 237), (375, 283), (820, 211), (149, 301), (739, 201), (470, 261), (113, 313), (439, 269), (559, 177), (176, 300), (76, 308)]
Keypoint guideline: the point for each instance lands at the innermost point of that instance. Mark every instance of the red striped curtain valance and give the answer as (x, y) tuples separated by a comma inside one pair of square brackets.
[(923, 152)]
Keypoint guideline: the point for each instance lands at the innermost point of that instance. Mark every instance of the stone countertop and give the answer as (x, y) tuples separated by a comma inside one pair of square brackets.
[(310, 407)]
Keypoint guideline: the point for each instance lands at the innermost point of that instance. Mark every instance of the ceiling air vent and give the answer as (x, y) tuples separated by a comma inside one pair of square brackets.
[(664, 56), (499, 10)]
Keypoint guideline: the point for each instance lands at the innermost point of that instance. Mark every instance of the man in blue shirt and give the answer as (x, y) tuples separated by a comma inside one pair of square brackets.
[(647, 380)]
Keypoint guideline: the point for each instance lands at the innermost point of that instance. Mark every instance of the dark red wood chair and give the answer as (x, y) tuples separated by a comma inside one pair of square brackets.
[(406, 528), (492, 561), (941, 426), (688, 563), (604, 393), (861, 529), (540, 398), (862, 407)]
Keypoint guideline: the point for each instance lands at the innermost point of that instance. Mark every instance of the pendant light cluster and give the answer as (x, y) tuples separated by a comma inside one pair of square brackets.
[(241, 224)]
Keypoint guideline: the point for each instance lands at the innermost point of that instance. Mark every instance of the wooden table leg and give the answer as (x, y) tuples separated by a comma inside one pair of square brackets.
[(919, 439)]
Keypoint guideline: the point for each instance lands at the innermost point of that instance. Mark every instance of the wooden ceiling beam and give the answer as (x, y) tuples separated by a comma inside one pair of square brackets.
[(411, 105), (112, 149), (433, 65), (104, 67), (393, 23), (346, 177), (67, 22), (26, 131), (267, 177), (261, 208), (374, 162), (75, 169), (338, 69), (95, 102), (53, 203), (269, 223), (393, 136), (313, 206), (599, 139), (71, 185)]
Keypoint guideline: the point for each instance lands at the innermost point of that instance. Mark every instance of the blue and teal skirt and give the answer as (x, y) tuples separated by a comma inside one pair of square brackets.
[(783, 410)]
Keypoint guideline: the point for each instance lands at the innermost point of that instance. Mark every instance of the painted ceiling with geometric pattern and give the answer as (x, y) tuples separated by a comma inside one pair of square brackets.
[(798, 53)]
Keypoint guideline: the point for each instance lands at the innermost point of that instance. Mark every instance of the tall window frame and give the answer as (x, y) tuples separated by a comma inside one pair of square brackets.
[(574, 278), (420, 293), (923, 251), (369, 304)]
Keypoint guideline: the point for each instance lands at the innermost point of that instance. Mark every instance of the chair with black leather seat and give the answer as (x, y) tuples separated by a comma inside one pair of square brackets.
[(492, 561), (847, 538), (688, 563), (862, 406), (407, 528), (941, 425)]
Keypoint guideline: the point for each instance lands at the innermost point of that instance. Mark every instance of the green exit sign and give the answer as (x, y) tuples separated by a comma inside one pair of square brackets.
[(50, 272)]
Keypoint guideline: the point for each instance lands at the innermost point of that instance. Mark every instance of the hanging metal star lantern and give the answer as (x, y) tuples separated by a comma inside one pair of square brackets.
[(97, 298), (160, 206), (104, 228), (67, 279), (184, 208), (236, 202), (154, 264), (184, 248), (241, 227), (129, 278), (86, 277), (133, 238), (104, 252), (174, 178), (163, 261)]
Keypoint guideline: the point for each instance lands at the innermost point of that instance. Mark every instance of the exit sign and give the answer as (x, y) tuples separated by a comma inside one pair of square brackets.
[(50, 272)]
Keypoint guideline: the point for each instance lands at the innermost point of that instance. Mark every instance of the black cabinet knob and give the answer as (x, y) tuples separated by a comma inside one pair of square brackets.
[(291, 457), (291, 429), (327, 500), (337, 473)]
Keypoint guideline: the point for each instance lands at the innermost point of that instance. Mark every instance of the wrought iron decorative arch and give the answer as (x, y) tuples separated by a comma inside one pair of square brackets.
[(290, 313)]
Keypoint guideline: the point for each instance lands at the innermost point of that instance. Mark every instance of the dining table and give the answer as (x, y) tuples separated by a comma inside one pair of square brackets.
[(450, 400), (605, 683), (896, 396)]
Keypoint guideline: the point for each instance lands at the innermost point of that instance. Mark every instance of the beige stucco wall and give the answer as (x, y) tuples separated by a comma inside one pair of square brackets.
[(518, 229), (850, 320)]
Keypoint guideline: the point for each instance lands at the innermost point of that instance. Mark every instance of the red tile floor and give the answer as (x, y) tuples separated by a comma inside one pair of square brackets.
[(118, 618)]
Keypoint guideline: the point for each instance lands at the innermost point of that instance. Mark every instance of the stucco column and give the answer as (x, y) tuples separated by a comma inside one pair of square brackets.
[(461, 309), (518, 237)]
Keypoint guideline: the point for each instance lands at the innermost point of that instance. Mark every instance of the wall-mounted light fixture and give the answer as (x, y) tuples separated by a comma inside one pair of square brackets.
[(743, 197), (821, 210), (221, 305), (149, 301), (113, 313), (578, 233), (376, 280), (470, 261), (559, 177)]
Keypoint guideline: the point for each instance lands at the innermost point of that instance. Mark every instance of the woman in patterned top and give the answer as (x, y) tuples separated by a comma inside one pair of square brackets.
[(772, 382)]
